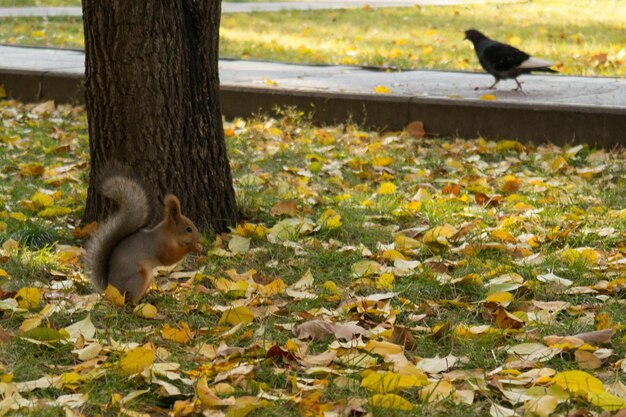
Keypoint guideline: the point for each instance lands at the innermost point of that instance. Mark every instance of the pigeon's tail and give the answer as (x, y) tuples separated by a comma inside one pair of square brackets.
[(546, 69), (535, 63)]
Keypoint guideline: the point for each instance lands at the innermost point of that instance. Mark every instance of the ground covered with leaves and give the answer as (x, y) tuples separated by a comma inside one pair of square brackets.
[(382, 274), (581, 37)]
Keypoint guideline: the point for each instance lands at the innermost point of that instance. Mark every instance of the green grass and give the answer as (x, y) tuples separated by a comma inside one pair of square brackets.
[(38, 3), (562, 214), (582, 38)]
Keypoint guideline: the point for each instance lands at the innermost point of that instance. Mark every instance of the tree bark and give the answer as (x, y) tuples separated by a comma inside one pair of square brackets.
[(152, 96)]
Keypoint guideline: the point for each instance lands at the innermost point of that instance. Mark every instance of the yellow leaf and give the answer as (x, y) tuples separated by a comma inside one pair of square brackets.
[(439, 234), (251, 230), (245, 405), (387, 188), (274, 288), (385, 281), (503, 236), (489, 97), (181, 334), (114, 296), (406, 243), (208, 396), (365, 268), (42, 200), (146, 310), (18, 216), (392, 255), (606, 400), (54, 212), (31, 323), (381, 89), (330, 219), (578, 382), (500, 298), (392, 401), (603, 321), (514, 40), (382, 382), (330, 286), (136, 360), (236, 315), (437, 391), (557, 164), (28, 297), (34, 169), (542, 406), (383, 348), (382, 161), (70, 379)]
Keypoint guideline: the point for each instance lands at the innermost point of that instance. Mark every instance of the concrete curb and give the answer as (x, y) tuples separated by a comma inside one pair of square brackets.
[(463, 118)]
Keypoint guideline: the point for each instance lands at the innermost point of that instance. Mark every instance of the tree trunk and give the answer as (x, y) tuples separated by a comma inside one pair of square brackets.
[(152, 95)]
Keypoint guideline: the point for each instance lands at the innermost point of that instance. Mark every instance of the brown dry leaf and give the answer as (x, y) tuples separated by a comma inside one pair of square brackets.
[(402, 336), (4, 336), (512, 185), (489, 201), (323, 359), (314, 330), (85, 231), (587, 360), (416, 129), (348, 331), (46, 107), (453, 189), (285, 208), (569, 341), (597, 337)]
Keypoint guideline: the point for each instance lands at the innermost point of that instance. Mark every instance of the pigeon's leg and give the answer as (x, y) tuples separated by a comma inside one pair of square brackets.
[(519, 85), (491, 87)]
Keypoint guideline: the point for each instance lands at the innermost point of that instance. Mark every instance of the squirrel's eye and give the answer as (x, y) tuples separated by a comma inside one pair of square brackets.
[(189, 229)]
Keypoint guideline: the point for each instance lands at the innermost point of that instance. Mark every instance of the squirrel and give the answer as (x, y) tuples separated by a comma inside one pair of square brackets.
[(122, 253)]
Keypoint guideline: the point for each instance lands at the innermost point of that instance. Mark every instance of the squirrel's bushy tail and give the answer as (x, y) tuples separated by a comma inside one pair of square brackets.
[(131, 215)]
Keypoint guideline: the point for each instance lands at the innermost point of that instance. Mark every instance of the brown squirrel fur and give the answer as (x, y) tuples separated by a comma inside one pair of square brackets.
[(121, 252)]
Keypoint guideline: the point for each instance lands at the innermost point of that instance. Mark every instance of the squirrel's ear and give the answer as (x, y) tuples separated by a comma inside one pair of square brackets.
[(172, 207)]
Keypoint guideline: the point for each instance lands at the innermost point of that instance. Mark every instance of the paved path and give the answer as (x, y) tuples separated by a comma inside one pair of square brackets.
[(228, 7), (596, 92)]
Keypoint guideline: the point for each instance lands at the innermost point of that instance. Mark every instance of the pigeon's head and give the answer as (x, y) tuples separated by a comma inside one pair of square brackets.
[(474, 36)]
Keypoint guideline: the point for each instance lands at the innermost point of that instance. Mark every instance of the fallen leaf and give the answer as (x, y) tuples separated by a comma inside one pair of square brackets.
[(416, 129), (136, 360), (286, 207)]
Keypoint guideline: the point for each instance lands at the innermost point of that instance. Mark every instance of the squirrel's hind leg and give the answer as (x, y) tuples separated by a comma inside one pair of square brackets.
[(139, 284)]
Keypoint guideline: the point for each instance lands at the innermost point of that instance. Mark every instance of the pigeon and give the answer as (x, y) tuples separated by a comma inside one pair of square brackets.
[(504, 61)]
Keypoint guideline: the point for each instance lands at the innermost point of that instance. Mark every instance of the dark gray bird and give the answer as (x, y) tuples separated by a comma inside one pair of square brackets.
[(504, 61)]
